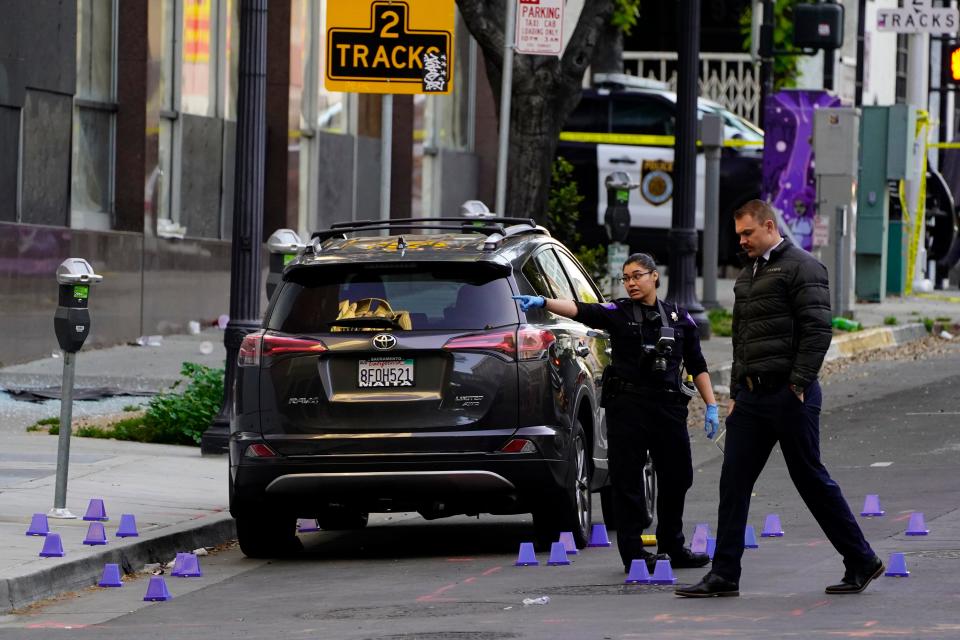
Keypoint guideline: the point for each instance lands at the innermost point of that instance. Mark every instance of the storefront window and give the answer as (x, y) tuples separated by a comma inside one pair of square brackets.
[(94, 115), (197, 72)]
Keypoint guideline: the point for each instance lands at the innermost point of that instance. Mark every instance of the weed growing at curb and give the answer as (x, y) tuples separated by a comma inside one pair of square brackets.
[(890, 321), (170, 418)]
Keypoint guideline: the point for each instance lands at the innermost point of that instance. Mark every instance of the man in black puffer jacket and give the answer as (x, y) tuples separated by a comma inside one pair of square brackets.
[(781, 333)]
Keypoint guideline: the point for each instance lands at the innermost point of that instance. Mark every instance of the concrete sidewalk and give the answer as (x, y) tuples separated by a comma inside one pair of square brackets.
[(178, 497)]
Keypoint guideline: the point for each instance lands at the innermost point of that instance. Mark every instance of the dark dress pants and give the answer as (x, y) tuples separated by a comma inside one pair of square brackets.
[(636, 425), (760, 420)]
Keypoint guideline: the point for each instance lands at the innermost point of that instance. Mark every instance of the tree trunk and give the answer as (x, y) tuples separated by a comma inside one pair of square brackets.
[(608, 54), (534, 134)]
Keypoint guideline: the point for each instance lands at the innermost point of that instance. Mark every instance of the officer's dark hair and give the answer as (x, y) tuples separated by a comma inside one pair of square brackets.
[(645, 260)]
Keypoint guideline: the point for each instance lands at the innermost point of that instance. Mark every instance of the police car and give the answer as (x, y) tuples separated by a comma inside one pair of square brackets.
[(627, 124)]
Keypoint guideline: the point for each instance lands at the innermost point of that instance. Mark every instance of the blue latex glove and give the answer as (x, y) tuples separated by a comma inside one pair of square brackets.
[(711, 421), (530, 302)]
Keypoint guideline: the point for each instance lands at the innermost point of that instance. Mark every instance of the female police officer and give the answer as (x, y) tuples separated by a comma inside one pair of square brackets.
[(646, 410)]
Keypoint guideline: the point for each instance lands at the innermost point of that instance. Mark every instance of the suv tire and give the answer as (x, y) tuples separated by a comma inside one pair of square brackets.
[(649, 493), (649, 501), (570, 509), (267, 535)]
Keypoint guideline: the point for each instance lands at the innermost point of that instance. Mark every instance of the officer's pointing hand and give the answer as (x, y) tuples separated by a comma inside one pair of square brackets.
[(711, 421), (530, 302)]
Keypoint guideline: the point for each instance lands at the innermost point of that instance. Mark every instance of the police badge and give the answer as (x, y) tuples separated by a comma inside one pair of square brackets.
[(656, 181)]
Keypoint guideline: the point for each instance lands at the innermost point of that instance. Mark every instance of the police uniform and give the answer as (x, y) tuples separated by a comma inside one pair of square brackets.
[(646, 411)]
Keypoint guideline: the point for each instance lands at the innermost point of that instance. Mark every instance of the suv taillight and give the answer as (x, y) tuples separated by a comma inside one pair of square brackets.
[(528, 343), (504, 342), (259, 346), (534, 343), (249, 354)]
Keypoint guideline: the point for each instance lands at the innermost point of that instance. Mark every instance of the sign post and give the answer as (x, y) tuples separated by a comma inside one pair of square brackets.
[(919, 19)]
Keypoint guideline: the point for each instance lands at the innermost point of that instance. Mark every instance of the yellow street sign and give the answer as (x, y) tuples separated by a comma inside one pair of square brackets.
[(390, 46)]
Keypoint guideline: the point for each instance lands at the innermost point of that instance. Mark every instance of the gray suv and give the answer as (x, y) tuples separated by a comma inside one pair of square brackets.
[(395, 373)]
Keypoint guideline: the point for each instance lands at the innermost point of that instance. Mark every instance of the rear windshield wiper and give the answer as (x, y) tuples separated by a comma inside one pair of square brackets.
[(367, 323)]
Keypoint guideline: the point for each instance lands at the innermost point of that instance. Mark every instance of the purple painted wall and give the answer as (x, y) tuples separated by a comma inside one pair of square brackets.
[(788, 180)]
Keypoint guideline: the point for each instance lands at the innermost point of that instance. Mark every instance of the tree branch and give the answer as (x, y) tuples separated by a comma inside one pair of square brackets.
[(579, 53), (484, 19)]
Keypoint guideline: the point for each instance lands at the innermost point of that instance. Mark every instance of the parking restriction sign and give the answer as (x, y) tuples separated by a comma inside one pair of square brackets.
[(389, 46), (540, 27)]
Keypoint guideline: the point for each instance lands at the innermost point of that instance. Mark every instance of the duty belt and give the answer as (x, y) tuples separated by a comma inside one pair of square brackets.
[(765, 383)]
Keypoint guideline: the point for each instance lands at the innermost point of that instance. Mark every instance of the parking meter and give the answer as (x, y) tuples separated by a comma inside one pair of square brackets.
[(71, 323), (616, 219), (283, 246), (72, 319)]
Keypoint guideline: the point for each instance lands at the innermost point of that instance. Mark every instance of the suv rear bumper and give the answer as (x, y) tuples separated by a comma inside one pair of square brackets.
[(468, 482)]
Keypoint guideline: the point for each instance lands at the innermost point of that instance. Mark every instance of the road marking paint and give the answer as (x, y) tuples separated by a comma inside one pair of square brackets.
[(871, 623), (905, 516), (881, 464), (470, 579), (491, 571), (460, 559), (431, 596)]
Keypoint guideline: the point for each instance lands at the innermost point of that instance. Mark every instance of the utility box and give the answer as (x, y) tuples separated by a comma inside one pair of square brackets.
[(836, 136), (886, 154)]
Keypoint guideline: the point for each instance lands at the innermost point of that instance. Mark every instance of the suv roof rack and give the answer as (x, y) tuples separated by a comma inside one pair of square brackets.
[(494, 227), (627, 81)]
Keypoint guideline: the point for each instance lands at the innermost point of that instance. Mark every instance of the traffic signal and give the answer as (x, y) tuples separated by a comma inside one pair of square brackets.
[(954, 61), (950, 64), (818, 26)]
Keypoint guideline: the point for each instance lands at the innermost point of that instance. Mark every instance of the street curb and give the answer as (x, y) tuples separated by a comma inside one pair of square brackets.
[(72, 575), (849, 345)]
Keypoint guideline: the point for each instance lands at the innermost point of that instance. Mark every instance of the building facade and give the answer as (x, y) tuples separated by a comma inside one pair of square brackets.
[(117, 135)]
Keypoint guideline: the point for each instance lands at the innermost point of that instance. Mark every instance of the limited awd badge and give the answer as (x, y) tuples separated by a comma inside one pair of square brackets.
[(384, 341)]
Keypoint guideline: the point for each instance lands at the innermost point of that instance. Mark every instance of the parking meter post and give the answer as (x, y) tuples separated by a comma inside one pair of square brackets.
[(71, 323), (711, 135), (63, 444), (283, 246)]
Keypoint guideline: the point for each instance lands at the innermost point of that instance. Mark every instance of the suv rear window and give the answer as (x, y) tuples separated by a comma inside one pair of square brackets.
[(422, 298)]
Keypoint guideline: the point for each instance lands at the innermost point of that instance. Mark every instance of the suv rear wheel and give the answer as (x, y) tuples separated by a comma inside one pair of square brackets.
[(267, 535), (570, 509)]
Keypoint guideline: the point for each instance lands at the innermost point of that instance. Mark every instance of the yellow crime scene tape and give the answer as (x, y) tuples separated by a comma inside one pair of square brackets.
[(641, 140), (916, 217)]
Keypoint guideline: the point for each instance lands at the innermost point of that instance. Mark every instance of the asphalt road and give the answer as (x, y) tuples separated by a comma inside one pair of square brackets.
[(889, 428)]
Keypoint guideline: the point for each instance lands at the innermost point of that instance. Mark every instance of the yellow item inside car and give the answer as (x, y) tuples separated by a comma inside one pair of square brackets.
[(371, 308)]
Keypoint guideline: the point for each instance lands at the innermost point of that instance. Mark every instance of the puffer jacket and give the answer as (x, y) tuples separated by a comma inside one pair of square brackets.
[(781, 318)]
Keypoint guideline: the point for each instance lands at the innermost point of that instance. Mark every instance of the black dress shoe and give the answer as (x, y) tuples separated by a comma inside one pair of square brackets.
[(649, 558), (857, 581), (712, 586), (687, 559)]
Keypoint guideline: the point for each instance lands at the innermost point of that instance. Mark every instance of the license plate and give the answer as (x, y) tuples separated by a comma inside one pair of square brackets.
[(385, 372)]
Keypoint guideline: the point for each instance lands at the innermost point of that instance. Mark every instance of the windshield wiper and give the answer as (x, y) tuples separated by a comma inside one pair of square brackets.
[(368, 323)]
